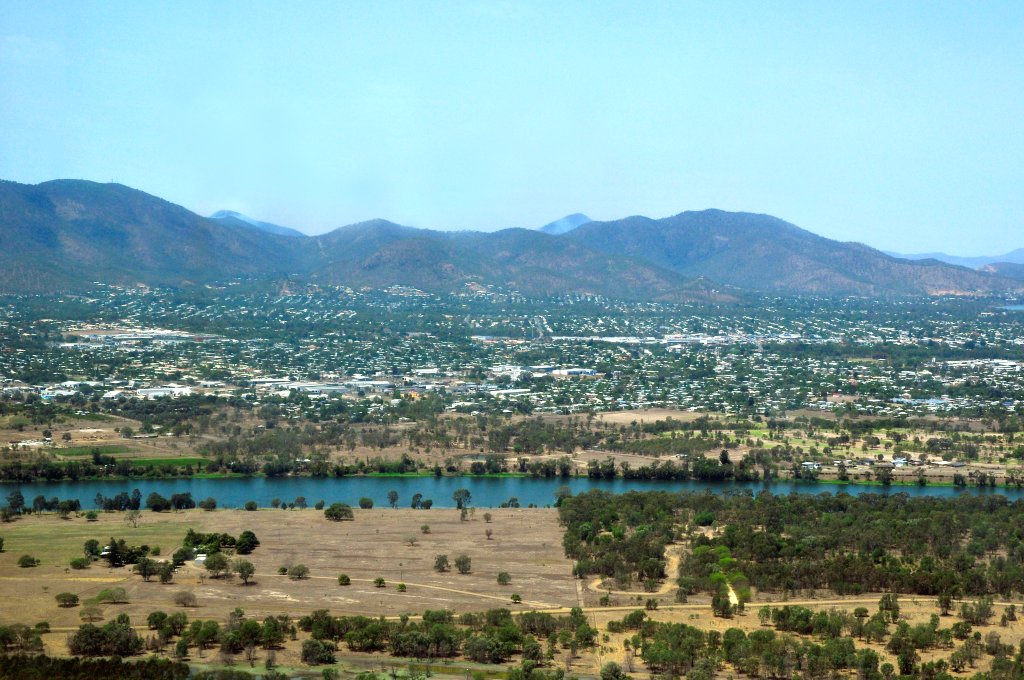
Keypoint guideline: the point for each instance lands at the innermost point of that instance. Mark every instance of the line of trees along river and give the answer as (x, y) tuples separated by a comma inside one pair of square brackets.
[(484, 491)]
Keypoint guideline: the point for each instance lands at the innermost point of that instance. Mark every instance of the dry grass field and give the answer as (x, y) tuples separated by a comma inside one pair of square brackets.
[(525, 542)]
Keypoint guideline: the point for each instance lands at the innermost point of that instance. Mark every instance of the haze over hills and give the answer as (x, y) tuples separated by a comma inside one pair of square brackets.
[(566, 224), (1013, 270), (66, 234), (1014, 256), (240, 220)]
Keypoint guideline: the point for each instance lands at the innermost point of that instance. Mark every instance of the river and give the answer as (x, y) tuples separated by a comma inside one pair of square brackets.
[(486, 491)]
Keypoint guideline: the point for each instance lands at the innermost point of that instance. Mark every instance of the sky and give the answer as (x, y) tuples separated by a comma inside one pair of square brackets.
[(896, 124)]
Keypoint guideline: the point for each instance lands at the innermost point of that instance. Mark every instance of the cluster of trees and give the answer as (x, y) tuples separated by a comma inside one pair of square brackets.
[(491, 637), (177, 501), (116, 638), (215, 542), (17, 505), (120, 502), (40, 667), (699, 468), (622, 536), (21, 638), (967, 545)]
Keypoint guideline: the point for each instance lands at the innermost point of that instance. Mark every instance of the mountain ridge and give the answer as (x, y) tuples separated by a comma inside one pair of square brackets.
[(240, 220), (66, 234)]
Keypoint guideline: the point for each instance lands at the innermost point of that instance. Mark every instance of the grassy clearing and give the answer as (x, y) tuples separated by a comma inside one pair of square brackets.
[(56, 541), (102, 449), (151, 462)]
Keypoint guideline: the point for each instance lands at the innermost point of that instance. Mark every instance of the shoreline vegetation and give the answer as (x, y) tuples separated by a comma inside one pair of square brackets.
[(159, 475)]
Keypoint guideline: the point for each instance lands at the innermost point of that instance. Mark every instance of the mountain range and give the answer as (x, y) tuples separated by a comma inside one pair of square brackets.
[(66, 234)]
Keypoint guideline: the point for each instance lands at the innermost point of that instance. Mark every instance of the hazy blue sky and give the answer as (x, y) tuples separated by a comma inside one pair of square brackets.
[(898, 124)]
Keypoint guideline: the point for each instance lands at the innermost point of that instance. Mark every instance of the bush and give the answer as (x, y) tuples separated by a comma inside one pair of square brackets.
[(208, 504), (319, 505), (298, 571), (66, 599), (338, 512), (317, 652), (441, 563), (365, 503), (26, 561), (504, 578), (111, 596), (185, 598), (92, 516), (401, 587), (464, 564), (80, 563), (250, 506), (379, 582), (344, 580)]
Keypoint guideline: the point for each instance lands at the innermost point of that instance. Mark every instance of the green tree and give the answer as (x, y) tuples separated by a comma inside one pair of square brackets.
[(244, 569), (462, 498), (464, 564), (66, 599), (216, 564)]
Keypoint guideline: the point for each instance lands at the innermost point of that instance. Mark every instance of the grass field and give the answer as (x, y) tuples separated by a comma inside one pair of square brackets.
[(102, 449)]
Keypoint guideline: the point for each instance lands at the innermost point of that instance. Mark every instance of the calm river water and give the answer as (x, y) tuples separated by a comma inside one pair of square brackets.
[(486, 492)]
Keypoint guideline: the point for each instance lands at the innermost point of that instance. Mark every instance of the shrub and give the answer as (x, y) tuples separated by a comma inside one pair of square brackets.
[(185, 598), (251, 506), (365, 503), (344, 580), (504, 578), (80, 563), (111, 596), (517, 598), (26, 561), (66, 599), (298, 571), (379, 582), (338, 512), (464, 564), (425, 529), (401, 587), (92, 516), (441, 563), (319, 505), (317, 652), (208, 504)]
